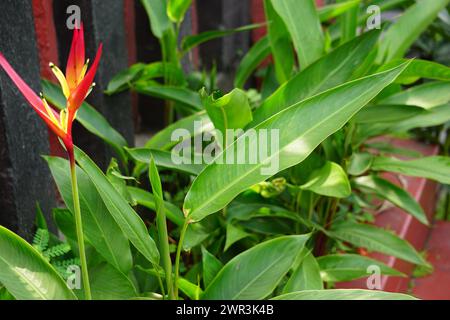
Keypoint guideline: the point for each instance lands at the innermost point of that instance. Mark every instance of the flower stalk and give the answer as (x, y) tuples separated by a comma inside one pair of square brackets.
[(79, 227)]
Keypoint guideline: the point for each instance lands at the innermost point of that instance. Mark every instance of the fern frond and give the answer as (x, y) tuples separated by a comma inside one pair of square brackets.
[(40, 240), (57, 251), (62, 265)]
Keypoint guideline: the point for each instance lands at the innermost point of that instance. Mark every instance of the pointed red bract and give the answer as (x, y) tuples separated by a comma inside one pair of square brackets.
[(76, 60), (31, 97), (77, 97)]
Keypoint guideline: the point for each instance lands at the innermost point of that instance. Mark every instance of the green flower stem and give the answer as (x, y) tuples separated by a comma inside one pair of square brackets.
[(79, 229), (164, 245), (177, 258)]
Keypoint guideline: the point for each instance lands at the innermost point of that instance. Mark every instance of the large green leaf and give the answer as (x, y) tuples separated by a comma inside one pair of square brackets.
[(251, 61), (344, 294), (427, 118), (176, 9), (157, 14), (26, 274), (146, 199), (347, 267), (304, 27), (299, 130), (231, 111), (89, 118), (280, 44), (107, 283), (402, 34), (127, 219), (165, 159), (419, 69), (434, 167), (255, 273), (376, 239), (394, 194), (386, 113), (210, 266), (330, 180), (305, 277), (192, 41), (100, 229), (329, 71), (427, 95)]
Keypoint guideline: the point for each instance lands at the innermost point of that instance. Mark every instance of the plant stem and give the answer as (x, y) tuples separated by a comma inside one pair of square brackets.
[(177, 258), (79, 229), (164, 246)]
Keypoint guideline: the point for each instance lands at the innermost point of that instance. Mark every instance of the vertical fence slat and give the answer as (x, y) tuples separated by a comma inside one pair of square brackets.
[(24, 175), (226, 52)]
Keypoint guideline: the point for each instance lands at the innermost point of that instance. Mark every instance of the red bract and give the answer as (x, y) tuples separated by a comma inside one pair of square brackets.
[(76, 86)]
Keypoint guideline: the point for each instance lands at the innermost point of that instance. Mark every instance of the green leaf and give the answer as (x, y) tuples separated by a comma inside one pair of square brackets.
[(298, 129), (127, 219), (144, 72), (193, 291), (192, 41), (166, 159), (100, 229), (251, 61), (163, 139), (280, 44), (234, 234), (418, 69), (89, 118), (210, 266), (348, 23), (176, 9), (347, 267), (376, 239), (123, 80), (434, 167), (330, 180), (107, 283), (328, 72), (255, 273), (386, 113), (394, 194), (157, 14), (231, 111), (26, 274), (190, 100), (304, 27), (305, 277), (344, 294), (402, 34), (359, 163), (427, 118), (427, 95), (146, 199), (433, 117), (330, 11)]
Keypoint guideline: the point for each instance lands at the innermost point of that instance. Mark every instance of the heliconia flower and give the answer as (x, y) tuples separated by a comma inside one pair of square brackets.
[(76, 86)]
